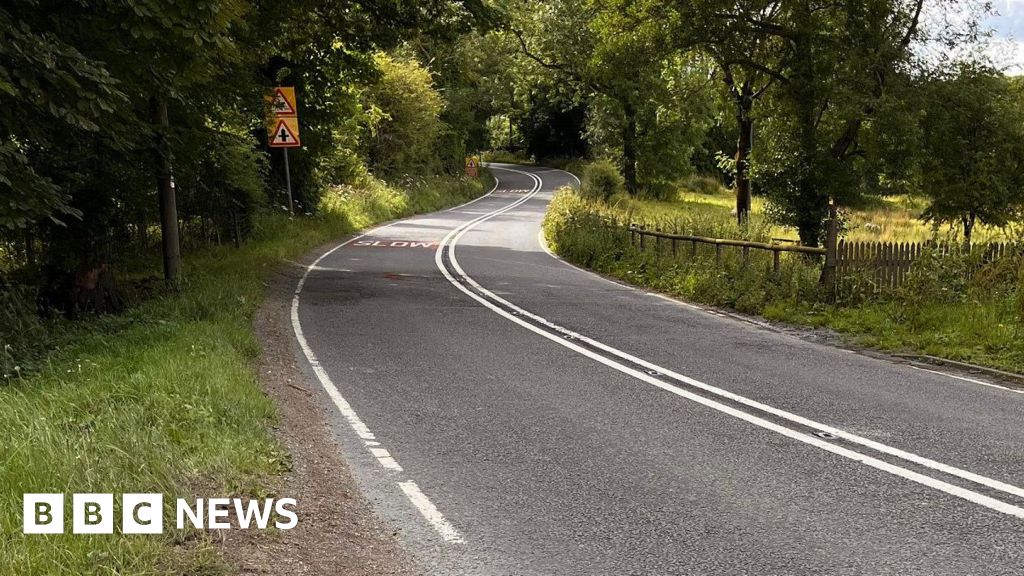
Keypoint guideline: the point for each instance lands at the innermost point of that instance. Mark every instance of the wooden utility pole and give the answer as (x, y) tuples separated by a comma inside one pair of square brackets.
[(165, 188)]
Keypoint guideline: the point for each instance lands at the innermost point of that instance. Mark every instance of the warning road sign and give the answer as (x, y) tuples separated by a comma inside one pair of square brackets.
[(285, 133), (472, 164), (283, 103)]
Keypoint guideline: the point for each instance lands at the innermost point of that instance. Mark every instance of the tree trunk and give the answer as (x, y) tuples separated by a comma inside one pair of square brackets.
[(629, 149), (165, 188), (30, 246), (743, 148), (811, 204), (968, 221)]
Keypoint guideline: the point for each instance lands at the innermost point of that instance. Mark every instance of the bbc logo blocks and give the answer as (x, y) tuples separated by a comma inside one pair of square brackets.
[(93, 513)]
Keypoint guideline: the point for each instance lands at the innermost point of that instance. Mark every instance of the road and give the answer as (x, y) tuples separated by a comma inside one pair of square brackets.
[(508, 413)]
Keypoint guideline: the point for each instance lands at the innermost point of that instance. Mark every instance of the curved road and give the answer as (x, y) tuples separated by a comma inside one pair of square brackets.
[(510, 414)]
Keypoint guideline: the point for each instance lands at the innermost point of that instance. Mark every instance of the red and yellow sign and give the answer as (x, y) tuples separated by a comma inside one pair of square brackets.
[(285, 133), (472, 166), (283, 121)]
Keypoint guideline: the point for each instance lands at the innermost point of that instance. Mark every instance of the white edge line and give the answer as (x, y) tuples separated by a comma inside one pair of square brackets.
[(542, 240), (383, 457), (430, 512), (951, 489), (885, 449), (966, 379)]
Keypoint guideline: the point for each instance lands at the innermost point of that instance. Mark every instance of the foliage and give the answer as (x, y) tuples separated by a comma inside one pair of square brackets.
[(954, 304), (601, 180), (165, 398), (593, 234), (405, 121), (973, 161)]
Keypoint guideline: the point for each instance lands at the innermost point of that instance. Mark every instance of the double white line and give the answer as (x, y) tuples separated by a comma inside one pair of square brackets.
[(661, 377)]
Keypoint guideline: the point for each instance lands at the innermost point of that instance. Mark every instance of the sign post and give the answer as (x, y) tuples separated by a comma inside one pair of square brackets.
[(283, 129)]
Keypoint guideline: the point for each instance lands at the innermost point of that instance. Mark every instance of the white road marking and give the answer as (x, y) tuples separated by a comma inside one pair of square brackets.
[(966, 379), (560, 334), (383, 457), (430, 512)]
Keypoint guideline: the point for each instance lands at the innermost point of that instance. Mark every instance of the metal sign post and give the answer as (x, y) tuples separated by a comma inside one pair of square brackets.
[(283, 129), (288, 182)]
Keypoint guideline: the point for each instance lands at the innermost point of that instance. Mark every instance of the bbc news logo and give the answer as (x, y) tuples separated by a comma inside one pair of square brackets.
[(143, 513)]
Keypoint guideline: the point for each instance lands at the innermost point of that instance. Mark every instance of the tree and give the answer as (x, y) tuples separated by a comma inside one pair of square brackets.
[(973, 148), (749, 64), (406, 124), (843, 60), (638, 115)]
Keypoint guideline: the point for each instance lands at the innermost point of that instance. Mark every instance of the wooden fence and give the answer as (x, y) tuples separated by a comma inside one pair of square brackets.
[(888, 262), (637, 234)]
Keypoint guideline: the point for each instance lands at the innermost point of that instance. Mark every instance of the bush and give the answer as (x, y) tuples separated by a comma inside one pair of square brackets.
[(708, 185), (594, 234), (406, 118), (661, 191), (601, 179), (24, 336)]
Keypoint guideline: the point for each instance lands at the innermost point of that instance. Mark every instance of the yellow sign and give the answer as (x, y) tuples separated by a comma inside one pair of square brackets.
[(472, 166), (284, 134), (282, 102)]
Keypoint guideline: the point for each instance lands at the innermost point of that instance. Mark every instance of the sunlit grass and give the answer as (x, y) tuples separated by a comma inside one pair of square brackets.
[(941, 310), (164, 398), (888, 219)]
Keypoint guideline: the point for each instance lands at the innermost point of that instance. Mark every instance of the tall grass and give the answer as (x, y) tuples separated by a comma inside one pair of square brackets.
[(888, 219), (164, 398), (953, 305), (594, 234)]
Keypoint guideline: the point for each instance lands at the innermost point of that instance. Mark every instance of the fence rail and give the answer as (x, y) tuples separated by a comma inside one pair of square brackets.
[(638, 233), (889, 262)]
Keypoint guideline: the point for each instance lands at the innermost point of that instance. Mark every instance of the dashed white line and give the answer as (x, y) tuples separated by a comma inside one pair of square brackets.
[(382, 455), (430, 512)]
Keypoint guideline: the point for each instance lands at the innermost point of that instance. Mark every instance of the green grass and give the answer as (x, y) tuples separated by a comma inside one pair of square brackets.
[(164, 398), (889, 219), (941, 310)]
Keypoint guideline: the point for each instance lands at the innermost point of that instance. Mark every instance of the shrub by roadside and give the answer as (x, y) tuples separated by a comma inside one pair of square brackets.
[(164, 398), (942, 310)]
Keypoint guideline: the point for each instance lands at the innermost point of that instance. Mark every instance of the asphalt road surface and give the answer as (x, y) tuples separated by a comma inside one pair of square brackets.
[(508, 413)]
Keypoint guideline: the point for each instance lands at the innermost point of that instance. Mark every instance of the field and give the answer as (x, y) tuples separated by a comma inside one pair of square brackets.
[(889, 219), (164, 398)]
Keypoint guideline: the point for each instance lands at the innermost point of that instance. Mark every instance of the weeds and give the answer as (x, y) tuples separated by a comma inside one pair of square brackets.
[(164, 398), (954, 304)]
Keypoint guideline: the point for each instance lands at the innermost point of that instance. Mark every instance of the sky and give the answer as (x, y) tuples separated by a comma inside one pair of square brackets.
[(1007, 47)]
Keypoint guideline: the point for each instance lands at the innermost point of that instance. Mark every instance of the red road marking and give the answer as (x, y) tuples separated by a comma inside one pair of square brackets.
[(431, 245)]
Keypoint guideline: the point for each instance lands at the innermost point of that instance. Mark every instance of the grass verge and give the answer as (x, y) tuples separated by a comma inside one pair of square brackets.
[(164, 398), (941, 310)]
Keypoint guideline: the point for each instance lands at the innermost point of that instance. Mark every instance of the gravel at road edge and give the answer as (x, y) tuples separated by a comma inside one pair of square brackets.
[(338, 532)]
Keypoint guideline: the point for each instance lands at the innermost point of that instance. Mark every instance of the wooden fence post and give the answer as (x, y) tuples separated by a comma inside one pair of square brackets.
[(776, 267), (828, 273)]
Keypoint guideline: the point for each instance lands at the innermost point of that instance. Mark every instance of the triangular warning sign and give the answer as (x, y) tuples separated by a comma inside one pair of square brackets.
[(284, 135), (280, 105)]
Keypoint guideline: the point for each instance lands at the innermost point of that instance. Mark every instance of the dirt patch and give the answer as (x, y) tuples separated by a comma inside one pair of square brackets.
[(338, 532)]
